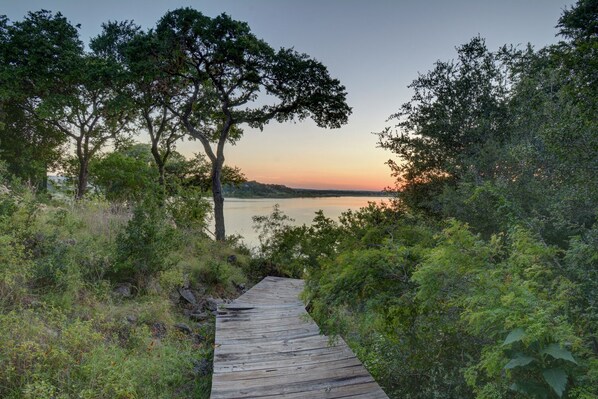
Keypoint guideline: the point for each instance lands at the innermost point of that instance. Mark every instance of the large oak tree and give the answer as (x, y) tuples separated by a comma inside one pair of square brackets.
[(222, 76), (36, 55)]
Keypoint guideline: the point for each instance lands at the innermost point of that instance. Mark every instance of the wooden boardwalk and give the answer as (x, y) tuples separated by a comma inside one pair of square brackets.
[(267, 346)]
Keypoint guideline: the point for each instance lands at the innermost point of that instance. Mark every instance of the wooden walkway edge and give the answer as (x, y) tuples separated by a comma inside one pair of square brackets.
[(267, 346)]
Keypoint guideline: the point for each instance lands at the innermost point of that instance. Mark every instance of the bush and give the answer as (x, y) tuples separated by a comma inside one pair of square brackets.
[(190, 209), (458, 316), (146, 245), (57, 357)]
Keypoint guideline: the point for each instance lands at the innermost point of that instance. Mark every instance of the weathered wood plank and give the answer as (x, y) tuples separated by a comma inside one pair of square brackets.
[(268, 346)]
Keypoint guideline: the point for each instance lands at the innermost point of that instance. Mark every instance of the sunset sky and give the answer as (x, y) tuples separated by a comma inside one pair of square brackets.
[(375, 47)]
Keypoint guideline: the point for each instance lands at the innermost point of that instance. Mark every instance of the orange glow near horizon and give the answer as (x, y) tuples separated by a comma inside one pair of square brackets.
[(303, 156), (329, 181)]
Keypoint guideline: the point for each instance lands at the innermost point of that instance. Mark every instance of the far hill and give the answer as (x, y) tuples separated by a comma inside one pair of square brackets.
[(253, 189)]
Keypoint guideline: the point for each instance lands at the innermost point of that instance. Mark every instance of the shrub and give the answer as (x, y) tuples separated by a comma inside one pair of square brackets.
[(189, 208), (146, 245), (53, 356)]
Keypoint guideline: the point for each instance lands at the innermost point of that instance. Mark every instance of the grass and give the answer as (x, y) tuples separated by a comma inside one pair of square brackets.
[(65, 333)]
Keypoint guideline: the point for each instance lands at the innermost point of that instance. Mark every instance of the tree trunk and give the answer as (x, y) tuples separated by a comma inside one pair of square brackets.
[(160, 163), (83, 158), (161, 179), (83, 175), (218, 199)]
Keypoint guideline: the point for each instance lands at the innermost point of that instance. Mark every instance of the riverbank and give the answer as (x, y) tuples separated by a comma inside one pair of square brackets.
[(254, 189)]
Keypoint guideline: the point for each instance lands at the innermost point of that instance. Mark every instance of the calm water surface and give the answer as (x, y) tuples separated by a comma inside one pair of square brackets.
[(238, 212)]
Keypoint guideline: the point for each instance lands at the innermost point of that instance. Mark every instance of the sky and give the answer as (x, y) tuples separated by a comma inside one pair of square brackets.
[(374, 47)]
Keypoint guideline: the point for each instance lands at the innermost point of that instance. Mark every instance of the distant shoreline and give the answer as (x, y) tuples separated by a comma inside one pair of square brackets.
[(253, 189)]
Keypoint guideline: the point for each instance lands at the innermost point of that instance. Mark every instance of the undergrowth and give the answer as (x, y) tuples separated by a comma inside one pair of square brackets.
[(89, 299)]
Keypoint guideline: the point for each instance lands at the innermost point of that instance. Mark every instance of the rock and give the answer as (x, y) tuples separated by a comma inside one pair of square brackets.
[(211, 304), (123, 290), (202, 367), (154, 287), (183, 328), (158, 330), (200, 290), (240, 287), (188, 295), (201, 316), (131, 319)]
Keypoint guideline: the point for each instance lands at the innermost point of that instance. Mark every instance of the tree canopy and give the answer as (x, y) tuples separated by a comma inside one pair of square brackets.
[(218, 70), (36, 57)]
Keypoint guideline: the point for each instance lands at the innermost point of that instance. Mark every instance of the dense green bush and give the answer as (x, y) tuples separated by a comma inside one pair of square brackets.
[(450, 314), (189, 208), (147, 244), (125, 175)]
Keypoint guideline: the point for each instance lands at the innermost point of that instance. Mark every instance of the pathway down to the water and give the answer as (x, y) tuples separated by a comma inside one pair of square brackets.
[(267, 346)]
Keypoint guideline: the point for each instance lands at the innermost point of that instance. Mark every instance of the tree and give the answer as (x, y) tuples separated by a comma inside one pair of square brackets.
[(580, 22), (95, 112), (458, 111), (218, 69), (125, 43), (196, 172), (36, 56), (28, 147), (61, 91), (129, 173)]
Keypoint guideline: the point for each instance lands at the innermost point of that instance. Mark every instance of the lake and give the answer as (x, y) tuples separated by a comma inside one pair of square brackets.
[(239, 211)]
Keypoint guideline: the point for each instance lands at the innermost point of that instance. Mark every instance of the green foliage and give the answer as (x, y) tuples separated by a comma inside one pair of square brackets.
[(146, 244), (54, 356), (15, 271), (214, 273), (126, 174), (505, 137), (278, 238), (507, 284), (453, 315), (458, 113), (189, 208), (197, 172), (66, 334), (292, 250)]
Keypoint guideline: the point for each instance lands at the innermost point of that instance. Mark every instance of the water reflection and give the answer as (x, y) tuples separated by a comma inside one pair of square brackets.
[(238, 212)]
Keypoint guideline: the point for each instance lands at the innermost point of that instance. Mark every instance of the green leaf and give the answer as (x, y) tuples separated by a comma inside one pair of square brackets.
[(558, 352), (529, 388), (557, 379), (514, 336), (519, 361)]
